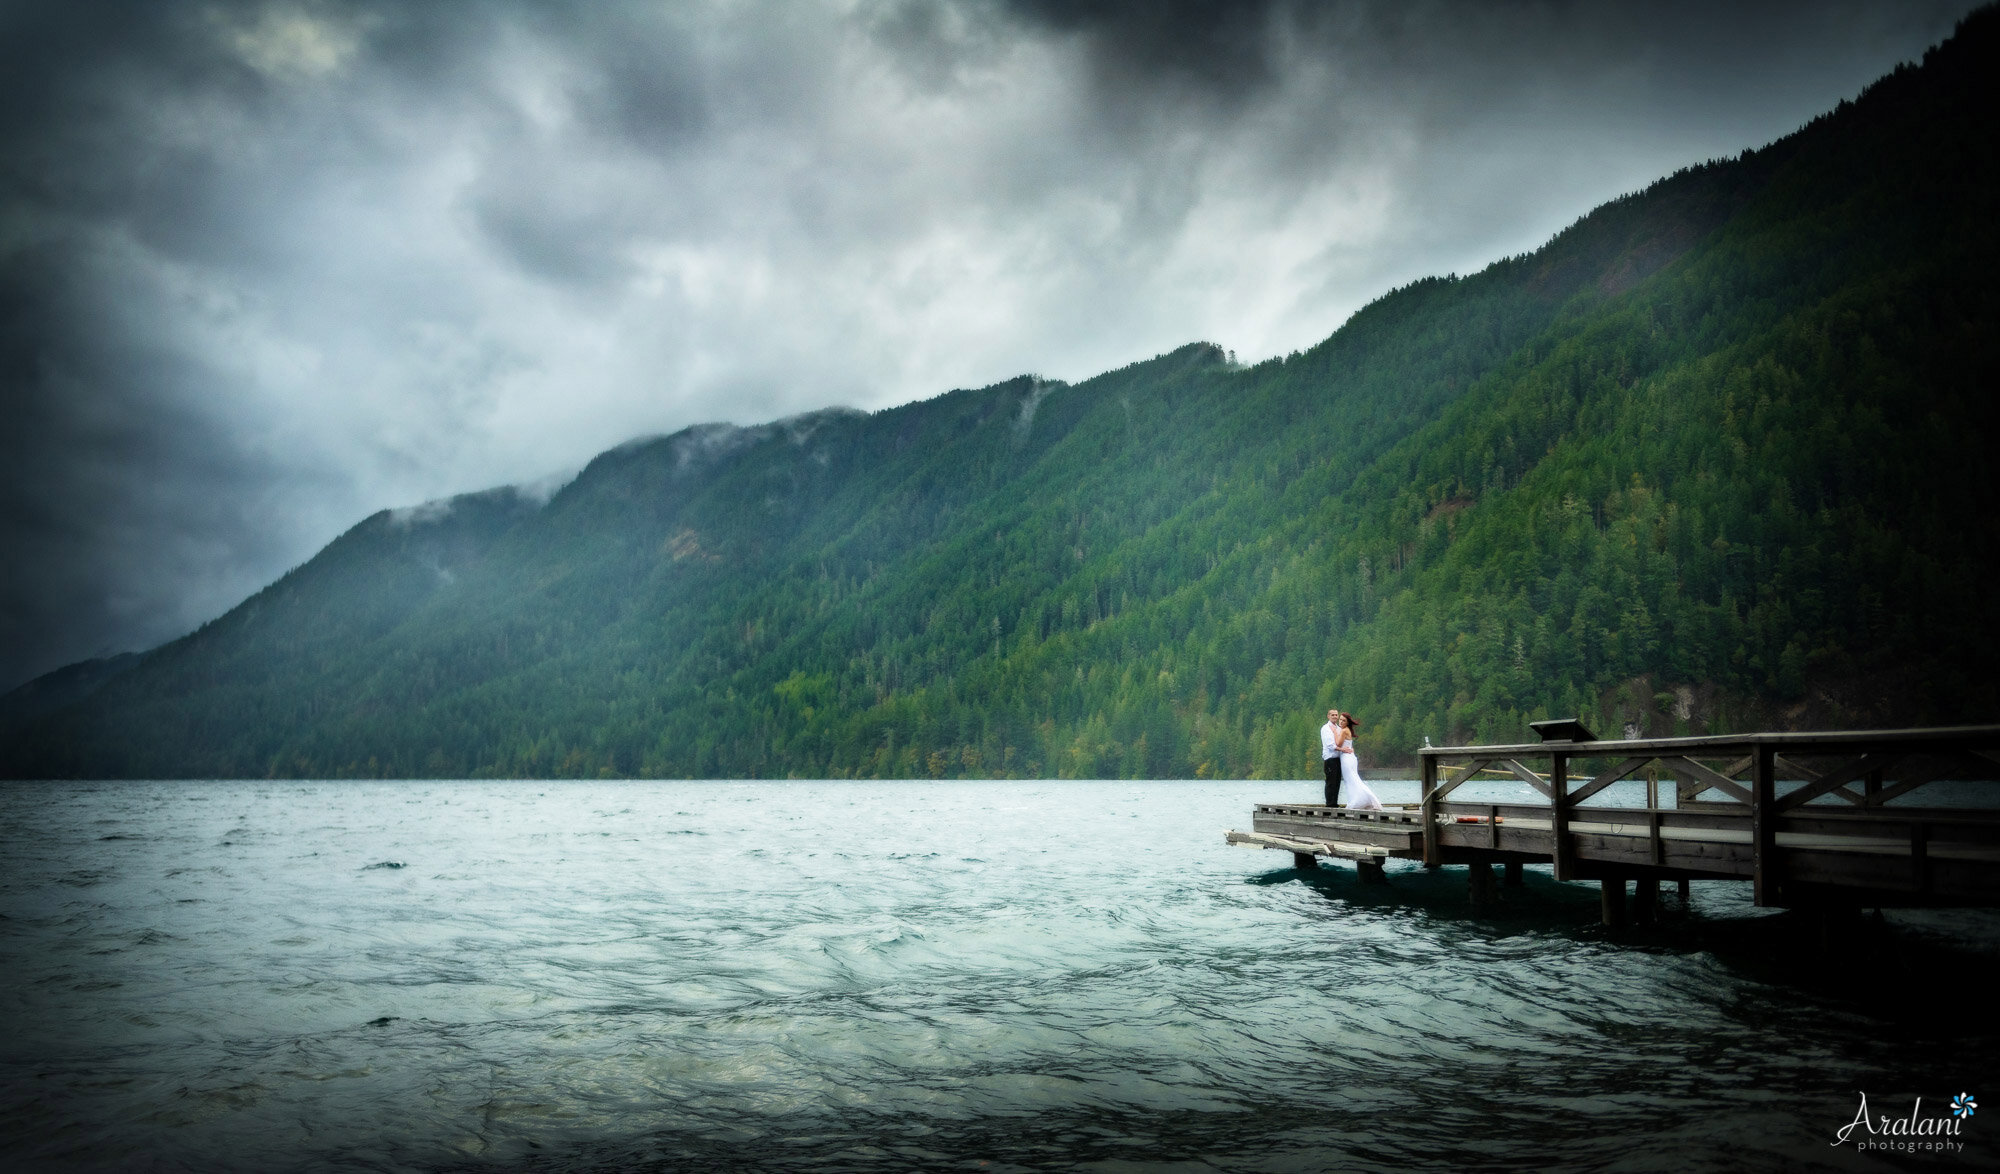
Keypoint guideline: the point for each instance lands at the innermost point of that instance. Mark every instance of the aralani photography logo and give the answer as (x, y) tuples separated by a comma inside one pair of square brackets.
[(1911, 1134)]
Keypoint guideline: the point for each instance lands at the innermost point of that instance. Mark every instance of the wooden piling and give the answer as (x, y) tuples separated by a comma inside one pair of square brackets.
[(1511, 874), (1613, 901), (1645, 899), (1371, 872), (1305, 861), (1480, 878)]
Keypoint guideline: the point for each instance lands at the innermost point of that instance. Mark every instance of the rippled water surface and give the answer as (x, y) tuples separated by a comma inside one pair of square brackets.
[(873, 976)]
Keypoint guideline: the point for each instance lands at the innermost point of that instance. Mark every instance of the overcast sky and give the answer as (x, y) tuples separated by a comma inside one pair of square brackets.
[(266, 268)]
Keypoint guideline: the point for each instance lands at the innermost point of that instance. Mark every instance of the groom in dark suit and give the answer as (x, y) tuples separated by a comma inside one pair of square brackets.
[(1329, 760)]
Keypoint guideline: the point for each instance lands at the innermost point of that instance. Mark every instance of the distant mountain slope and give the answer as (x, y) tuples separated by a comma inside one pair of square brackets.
[(1712, 458)]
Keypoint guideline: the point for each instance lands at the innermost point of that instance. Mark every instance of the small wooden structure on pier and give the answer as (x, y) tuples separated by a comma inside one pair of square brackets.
[(1806, 818)]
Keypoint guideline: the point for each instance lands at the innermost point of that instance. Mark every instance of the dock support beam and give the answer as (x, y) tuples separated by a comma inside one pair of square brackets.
[(1512, 874), (1614, 900), (1645, 899), (1371, 872), (1305, 862), (1484, 893)]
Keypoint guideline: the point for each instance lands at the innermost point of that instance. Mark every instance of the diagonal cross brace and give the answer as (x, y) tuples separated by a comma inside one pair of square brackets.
[(1452, 781), (1530, 777), (1602, 781), (1835, 780), (1696, 778)]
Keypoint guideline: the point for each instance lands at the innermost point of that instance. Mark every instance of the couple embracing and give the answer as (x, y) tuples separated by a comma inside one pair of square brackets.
[(1336, 747)]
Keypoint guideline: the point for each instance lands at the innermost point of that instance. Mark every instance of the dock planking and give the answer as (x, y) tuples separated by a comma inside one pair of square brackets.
[(1814, 819)]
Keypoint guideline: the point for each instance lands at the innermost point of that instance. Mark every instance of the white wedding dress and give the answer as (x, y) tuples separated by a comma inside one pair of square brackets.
[(1352, 789)]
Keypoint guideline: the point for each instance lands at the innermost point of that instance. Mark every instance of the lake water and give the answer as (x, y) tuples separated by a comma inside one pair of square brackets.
[(884, 976)]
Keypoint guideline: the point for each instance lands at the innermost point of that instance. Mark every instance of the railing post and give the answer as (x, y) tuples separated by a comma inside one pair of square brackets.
[(1433, 854), (1559, 814), (1763, 825)]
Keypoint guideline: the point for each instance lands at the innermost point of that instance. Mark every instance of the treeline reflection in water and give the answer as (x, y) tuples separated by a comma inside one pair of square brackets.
[(887, 976)]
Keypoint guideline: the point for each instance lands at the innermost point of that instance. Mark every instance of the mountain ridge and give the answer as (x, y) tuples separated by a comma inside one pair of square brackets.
[(1631, 475)]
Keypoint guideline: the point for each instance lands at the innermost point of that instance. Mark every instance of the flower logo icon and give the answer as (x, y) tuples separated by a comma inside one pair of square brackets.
[(1963, 1105)]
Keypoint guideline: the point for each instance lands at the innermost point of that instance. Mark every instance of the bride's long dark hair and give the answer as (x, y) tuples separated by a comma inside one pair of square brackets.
[(1353, 723)]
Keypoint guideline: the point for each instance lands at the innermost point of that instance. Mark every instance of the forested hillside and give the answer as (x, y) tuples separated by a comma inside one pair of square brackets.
[(1713, 458)]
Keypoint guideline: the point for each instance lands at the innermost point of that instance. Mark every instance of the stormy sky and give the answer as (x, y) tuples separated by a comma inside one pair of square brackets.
[(268, 267)]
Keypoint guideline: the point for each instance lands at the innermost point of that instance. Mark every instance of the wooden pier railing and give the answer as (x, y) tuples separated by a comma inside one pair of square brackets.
[(1870, 817)]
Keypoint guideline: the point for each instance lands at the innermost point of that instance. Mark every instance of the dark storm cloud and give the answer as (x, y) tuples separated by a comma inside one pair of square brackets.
[(267, 266), (1215, 49), (130, 508), (121, 509)]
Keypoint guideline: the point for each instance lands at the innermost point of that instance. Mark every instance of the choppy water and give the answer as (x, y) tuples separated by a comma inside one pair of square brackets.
[(871, 976)]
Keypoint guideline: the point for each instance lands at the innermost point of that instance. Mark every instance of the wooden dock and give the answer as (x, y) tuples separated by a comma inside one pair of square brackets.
[(1825, 820)]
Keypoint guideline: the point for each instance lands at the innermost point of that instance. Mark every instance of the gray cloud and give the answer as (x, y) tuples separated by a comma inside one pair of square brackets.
[(1215, 52), (269, 266)]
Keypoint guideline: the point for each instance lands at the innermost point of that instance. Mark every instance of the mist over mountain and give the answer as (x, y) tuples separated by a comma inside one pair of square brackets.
[(1713, 458)]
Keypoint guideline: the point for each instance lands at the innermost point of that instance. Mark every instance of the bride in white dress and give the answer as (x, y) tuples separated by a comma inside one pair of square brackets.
[(1360, 798)]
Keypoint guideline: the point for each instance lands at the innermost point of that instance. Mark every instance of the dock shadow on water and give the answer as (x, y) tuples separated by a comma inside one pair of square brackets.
[(1939, 950), (1911, 975), (902, 976)]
